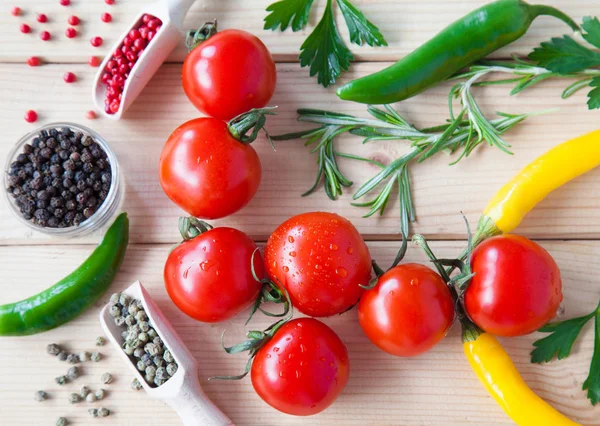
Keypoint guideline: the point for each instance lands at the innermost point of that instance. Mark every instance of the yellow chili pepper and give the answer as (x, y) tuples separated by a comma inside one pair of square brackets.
[(496, 371), (556, 167)]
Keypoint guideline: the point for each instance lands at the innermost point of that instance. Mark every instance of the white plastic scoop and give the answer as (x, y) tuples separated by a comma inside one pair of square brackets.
[(171, 33), (182, 391)]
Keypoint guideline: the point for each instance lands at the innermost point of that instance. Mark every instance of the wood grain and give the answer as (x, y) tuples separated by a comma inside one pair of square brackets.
[(406, 24), (434, 389), (441, 192)]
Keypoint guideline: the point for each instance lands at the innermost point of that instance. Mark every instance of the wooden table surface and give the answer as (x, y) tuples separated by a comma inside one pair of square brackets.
[(437, 388)]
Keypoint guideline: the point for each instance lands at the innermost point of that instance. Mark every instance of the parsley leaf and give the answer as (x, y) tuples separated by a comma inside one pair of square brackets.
[(564, 55), (560, 342), (361, 29), (594, 95), (284, 11), (324, 51), (592, 28), (592, 383)]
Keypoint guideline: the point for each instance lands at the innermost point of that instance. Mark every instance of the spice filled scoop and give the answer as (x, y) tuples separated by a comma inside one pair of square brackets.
[(174, 368), (138, 54)]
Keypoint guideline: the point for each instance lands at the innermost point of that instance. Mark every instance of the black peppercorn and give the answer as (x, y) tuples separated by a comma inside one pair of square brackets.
[(69, 165), (81, 185), (46, 153), (88, 211), (70, 205), (51, 143)]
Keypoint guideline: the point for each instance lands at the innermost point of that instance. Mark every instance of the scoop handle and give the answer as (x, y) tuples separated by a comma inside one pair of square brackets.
[(195, 409)]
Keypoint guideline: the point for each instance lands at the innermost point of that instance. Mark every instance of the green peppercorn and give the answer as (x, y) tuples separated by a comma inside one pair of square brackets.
[(62, 356), (168, 357), (84, 391), (72, 359), (159, 381), (128, 349), (143, 337), (133, 309), (61, 380), (161, 373), (114, 298), (90, 397), (84, 356), (141, 366), (100, 394), (141, 316), (150, 371), (40, 396), (171, 369), (114, 311), (130, 320), (157, 341), (136, 385), (62, 421), (144, 326), (74, 398), (96, 356), (124, 299), (151, 348), (73, 373), (152, 333), (158, 361), (100, 341), (93, 412), (103, 412), (132, 336), (106, 378), (53, 349), (138, 352), (119, 321)]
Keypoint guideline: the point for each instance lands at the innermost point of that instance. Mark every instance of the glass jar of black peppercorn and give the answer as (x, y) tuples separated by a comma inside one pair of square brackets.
[(63, 179)]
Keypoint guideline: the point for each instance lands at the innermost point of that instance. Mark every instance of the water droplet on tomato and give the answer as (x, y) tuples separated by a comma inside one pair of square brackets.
[(302, 349), (292, 254), (414, 281), (333, 247), (342, 272), (275, 349), (318, 267), (322, 359), (268, 355), (287, 339), (185, 273), (350, 250), (298, 374), (281, 374), (275, 264), (285, 269), (206, 265), (291, 239)]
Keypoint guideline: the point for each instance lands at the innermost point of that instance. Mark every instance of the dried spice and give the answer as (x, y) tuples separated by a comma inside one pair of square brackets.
[(73, 373), (96, 356), (100, 341), (106, 378), (40, 396), (62, 421)]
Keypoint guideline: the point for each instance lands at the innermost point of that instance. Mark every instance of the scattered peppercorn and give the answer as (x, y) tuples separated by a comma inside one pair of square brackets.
[(93, 412), (45, 35), (15, 11), (72, 359), (62, 421), (70, 32), (94, 61), (40, 396), (109, 2), (84, 392), (25, 29), (65, 2), (60, 179), (31, 116), (136, 385), (73, 373), (61, 380), (90, 397), (100, 393), (106, 17), (96, 41), (84, 356), (106, 378), (42, 18), (34, 61), (62, 356), (103, 412), (96, 356), (74, 398), (73, 20), (90, 115), (53, 349), (69, 77), (100, 341)]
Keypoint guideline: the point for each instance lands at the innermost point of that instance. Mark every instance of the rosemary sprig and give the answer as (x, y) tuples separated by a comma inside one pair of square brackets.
[(463, 132)]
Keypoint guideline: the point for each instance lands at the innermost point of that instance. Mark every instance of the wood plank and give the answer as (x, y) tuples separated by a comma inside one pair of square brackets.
[(435, 389), (406, 25), (440, 192)]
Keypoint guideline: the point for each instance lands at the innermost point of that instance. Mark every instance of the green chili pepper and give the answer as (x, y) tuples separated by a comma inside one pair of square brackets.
[(463, 42), (73, 294)]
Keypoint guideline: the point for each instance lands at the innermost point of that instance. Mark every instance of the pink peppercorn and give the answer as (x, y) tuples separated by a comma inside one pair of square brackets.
[(106, 17), (109, 1), (96, 41), (94, 61), (16, 11), (34, 61), (73, 20), (70, 32), (65, 2), (69, 77), (25, 29), (31, 116), (90, 115), (45, 35), (42, 18)]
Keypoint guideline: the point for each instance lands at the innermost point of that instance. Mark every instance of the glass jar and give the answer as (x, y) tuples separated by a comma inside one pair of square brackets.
[(106, 210)]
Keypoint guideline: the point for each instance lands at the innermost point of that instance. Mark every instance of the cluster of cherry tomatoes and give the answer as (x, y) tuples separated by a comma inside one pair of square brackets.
[(318, 261)]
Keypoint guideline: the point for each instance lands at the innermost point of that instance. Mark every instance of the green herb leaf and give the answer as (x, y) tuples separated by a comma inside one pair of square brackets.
[(592, 383), (324, 51), (564, 55), (592, 30), (361, 29), (285, 11), (594, 95), (560, 342)]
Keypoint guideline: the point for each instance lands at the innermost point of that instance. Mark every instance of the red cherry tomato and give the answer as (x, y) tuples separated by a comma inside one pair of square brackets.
[(320, 258), (516, 288), (209, 277), (408, 312), (302, 369), (229, 74), (207, 172)]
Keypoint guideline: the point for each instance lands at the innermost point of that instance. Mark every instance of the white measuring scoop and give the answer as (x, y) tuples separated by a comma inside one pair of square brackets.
[(171, 33), (182, 391)]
